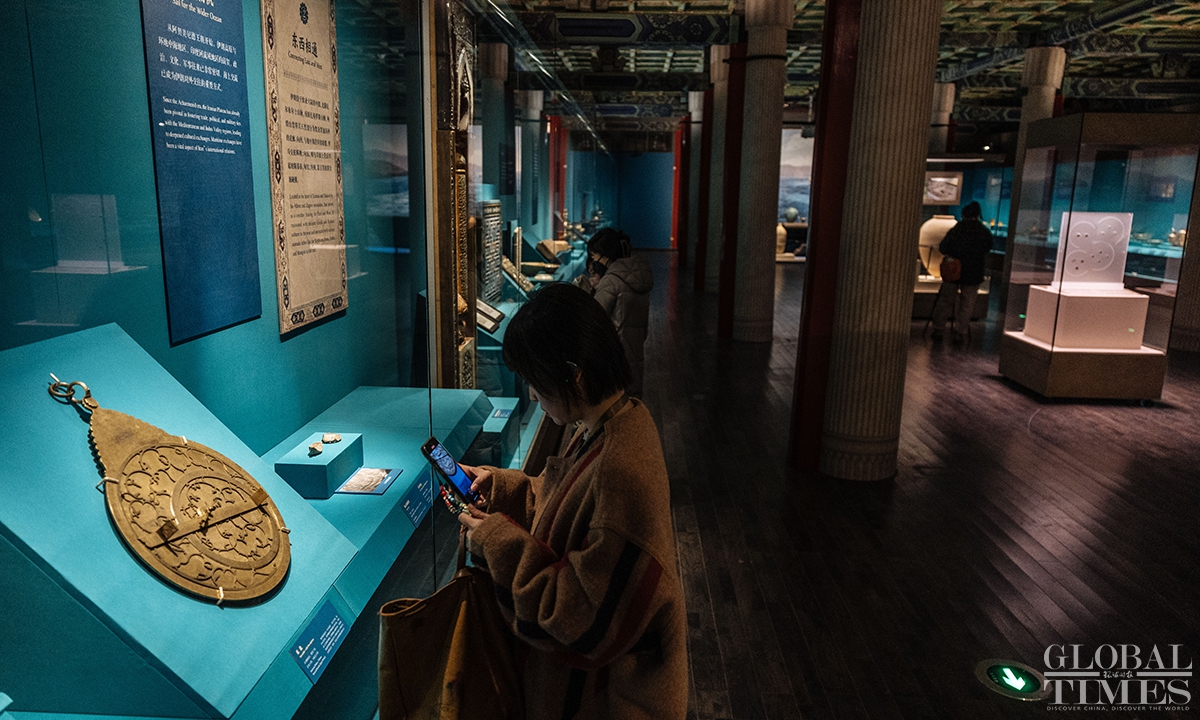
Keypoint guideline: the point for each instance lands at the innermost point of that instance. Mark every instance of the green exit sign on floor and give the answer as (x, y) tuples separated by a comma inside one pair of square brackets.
[(1012, 679)]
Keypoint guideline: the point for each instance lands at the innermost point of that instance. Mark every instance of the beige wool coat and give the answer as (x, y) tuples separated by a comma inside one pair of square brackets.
[(583, 559)]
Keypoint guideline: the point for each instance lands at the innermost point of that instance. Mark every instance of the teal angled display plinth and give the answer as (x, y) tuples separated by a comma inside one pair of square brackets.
[(501, 434), (316, 477), (394, 423), (85, 627)]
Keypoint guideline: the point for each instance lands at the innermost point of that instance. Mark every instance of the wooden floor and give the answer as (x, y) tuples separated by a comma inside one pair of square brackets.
[(1014, 523)]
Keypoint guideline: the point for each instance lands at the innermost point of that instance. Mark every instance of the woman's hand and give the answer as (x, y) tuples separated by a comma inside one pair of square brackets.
[(472, 519), (481, 482)]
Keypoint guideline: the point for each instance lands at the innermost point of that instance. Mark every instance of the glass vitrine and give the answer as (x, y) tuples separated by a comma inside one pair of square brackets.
[(1099, 240)]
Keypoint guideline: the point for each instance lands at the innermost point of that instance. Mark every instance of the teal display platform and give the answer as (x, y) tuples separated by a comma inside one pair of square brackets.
[(394, 423), (505, 425), (86, 628), (316, 477), (574, 264), (496, 339), (528, 429), (493, 377), (500, 436), (511, 292)]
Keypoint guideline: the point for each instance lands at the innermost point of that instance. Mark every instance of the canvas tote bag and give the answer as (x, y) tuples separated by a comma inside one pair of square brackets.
[(449, 655)]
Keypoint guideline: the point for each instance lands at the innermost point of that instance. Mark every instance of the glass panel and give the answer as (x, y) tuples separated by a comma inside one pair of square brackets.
[(990, 186), (1151, 188), (1046, 189), (81, 241)]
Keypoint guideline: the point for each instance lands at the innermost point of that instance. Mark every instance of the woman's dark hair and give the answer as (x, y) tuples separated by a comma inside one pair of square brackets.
[(560, 330), (971, 210), (611, 243)]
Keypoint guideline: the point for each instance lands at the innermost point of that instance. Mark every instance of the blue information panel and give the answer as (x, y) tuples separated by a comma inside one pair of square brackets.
[(195, 60), (419, 497), (319, 641)]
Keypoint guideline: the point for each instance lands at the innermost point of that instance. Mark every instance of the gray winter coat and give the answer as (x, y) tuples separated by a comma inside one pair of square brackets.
[(624, 293)]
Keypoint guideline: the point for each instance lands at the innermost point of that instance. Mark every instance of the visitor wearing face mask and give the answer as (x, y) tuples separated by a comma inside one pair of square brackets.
[(583, 555), (621, 282)]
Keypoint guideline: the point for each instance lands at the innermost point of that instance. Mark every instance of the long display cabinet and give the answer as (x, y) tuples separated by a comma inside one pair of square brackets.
[(89, 630)]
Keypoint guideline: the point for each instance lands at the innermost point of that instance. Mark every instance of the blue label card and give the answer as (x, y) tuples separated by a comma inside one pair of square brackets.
[(419, 497), (502, 413), (195, 61), (319, 641)]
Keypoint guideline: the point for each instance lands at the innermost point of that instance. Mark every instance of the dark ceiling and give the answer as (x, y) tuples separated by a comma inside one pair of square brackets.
[(636, 59), (1131, 55)]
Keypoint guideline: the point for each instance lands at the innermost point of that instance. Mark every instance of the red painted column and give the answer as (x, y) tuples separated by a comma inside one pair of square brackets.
[(835, 106), (679, 223), (705, 178), (563, 136), (733, 182), (558, 176)]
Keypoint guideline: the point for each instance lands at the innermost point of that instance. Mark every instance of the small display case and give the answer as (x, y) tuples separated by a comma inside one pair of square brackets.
[(1100, 236)]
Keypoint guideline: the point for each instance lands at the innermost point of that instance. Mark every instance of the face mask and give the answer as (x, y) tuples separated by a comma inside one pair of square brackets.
[(598, 268)]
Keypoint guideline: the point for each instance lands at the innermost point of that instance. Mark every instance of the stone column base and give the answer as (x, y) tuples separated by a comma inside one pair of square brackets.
[(859, 458)]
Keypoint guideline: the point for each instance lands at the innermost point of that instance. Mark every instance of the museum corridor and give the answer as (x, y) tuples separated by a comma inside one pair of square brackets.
[(1014, 523)]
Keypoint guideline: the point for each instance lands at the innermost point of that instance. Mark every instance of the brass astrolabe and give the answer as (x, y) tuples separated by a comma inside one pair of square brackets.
[(192, 515)]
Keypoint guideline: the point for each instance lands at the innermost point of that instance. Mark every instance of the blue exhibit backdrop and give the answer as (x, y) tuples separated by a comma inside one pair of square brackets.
[(195, 52), (795, 172)]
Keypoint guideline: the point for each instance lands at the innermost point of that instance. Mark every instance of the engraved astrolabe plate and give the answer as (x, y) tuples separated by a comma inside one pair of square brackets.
[(192, 515)]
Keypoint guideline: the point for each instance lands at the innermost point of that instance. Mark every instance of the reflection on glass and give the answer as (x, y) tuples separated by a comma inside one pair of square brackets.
[(1155, 185), (87, 236), (942, 187), (83, 246), (795, 173), (385, 153)]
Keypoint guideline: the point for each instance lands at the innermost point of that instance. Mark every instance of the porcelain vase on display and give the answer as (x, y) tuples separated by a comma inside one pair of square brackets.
[(932, 232)]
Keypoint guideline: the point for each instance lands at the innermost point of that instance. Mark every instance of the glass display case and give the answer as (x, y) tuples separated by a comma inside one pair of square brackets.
[(1100, 236), (327, 420)]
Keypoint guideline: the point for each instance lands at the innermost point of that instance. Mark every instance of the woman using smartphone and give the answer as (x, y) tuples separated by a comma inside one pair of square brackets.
[(583, 556)]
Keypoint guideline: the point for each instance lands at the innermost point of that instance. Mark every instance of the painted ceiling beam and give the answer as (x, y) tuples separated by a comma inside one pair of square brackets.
[(1096, 87), (617, 81), (630, 97), (612, 110), (1003, 39), (1061, 35), (675, 30), (625, 124), (1132, 88), (987, 114), (1109, 45)]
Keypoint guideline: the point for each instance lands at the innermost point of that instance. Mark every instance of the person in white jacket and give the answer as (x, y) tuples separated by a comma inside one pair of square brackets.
[(621, 282)]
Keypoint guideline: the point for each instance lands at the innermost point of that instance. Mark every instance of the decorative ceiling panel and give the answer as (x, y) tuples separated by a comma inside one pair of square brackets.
[(1110, 45)]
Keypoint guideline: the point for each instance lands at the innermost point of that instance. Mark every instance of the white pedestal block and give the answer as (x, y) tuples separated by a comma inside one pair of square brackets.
[(1086, 317), (1082, 373)]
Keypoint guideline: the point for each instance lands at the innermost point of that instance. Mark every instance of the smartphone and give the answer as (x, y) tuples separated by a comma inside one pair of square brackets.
[(450, 473)]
